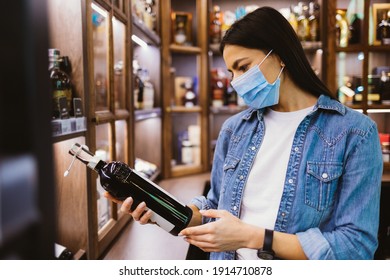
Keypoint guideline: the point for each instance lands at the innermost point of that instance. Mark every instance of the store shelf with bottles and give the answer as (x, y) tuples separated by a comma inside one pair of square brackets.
[(146, 57), (145, 21), (185, 83), (97, 47), (362, 61)]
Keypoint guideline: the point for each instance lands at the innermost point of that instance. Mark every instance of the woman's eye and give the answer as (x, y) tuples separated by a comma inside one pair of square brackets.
[(243, 68)]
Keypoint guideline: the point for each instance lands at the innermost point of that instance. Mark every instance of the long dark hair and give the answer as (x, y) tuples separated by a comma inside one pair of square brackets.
[(265, 29)]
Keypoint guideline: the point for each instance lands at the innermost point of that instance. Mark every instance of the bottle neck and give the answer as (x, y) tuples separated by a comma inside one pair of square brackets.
[(96, 164), (100, 165)]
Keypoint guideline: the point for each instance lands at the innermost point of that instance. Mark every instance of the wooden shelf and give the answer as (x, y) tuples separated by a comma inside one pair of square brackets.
[(185, 49), (311, 46), (350, 49), (142, 31), (226, 110), (386, 167), (183, 170), (182, 109), (382, 48), (64, 129), (141, 115)]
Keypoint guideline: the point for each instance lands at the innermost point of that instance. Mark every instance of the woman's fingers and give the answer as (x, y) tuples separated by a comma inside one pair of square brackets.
[(141, 213)]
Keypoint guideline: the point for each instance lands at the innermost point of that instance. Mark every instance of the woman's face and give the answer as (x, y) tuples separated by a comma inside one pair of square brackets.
[(238, 60)]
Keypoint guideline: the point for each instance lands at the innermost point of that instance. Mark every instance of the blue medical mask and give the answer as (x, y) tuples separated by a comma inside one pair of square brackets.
[(254, 88)]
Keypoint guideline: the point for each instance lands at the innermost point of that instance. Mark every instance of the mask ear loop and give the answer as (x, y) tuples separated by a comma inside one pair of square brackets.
[(66, 173), (281, 70), (280, 73), (265, 57)]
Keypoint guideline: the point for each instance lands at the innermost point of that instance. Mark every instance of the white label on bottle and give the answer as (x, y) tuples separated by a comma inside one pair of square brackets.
[(58, 249), (161, 222)]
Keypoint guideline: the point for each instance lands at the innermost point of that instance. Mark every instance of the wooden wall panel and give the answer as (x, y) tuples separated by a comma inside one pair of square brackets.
[(71, 197)]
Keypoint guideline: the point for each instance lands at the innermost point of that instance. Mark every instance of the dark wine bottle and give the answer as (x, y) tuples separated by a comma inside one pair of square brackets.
[(121, 181), (61, 85)]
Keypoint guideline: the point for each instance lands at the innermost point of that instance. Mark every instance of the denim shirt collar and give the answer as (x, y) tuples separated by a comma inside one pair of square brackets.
[(324, 102)]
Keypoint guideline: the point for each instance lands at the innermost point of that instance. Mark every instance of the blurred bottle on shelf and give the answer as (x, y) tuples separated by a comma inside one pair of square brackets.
[(383, 29), (314, 23), (303, 30), (346, 92), (230, 95), (148, 89), (189, 97), (149, 14), (342, 29), (138, 86), (354, 17), (292, 18), (61, 86), (217, 87), (180, 36), (216, 25), (384, 86)]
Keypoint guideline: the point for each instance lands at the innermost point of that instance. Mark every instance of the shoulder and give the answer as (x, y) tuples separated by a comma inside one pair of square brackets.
[(342, 116), (239, 118)]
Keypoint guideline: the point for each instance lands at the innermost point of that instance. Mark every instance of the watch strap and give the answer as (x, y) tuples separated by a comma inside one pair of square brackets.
[(266, 253), (268, 239)]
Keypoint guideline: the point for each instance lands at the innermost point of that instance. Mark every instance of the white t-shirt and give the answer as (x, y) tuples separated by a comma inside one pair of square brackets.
[(264, 187)]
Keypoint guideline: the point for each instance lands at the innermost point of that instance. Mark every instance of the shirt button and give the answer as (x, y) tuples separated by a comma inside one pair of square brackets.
[(296, 149), (290, 181), (235, 208), (241, 177), (253, 148), (324, 175), (283, 214)]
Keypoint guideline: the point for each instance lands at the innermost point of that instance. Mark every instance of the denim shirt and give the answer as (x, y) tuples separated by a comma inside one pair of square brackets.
[(331, 191)]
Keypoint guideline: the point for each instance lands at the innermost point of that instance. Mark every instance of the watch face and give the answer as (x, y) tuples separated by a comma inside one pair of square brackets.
[(265, 255)]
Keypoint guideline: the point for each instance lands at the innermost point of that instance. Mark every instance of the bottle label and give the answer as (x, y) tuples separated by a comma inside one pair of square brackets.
[(161, 222)]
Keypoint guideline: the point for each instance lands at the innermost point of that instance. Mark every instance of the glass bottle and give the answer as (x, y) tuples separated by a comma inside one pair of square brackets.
[(303, 22), (342, 29), (216, 25), (292, 18), (314, 24), (60, 84), (148, 90), (354, 17), (150, 15), (180, 36), (383, 29), (189, 98), (121, 181)]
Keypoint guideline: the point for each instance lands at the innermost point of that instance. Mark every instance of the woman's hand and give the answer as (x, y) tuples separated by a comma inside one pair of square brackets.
[(141, 213), (226, 233)]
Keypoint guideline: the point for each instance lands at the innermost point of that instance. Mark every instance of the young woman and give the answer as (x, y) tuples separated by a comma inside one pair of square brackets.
[(295, 176)]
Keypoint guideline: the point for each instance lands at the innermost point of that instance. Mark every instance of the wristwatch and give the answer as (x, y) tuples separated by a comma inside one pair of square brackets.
[(266, 253)]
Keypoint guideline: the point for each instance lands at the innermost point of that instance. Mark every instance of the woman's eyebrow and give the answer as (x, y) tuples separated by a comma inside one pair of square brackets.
[(236, 62)]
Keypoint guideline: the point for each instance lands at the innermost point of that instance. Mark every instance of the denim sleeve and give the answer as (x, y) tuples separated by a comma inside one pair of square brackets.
[(356, 215), (221, 148)]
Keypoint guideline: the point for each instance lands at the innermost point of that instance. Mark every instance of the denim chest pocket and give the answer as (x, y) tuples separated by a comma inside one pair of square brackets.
[(321, 183), (229, 166)]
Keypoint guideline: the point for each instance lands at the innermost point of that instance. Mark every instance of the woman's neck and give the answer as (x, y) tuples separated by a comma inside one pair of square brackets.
[(293, 98)]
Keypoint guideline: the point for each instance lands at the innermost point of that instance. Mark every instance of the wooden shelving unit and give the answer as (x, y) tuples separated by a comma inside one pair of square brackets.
[(96, 35), (177, 117)]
